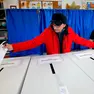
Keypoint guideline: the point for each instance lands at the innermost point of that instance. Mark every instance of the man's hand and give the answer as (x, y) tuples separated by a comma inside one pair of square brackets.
[(8, 46)]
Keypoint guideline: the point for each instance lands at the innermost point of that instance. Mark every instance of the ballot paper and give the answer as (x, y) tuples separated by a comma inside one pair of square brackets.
[(84, 55), (2, 52), (49, 59)]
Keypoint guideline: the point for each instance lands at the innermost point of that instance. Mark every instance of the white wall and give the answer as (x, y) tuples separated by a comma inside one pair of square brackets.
[(7, 3)]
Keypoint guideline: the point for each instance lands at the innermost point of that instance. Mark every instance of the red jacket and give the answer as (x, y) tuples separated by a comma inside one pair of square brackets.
[(50, 39)]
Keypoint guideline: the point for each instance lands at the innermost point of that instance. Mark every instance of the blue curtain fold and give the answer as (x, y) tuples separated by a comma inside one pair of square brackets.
[(25, 24), (22, 25)]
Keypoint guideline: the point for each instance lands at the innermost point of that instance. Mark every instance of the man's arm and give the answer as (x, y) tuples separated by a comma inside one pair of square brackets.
[(82, 41), (26, 45)]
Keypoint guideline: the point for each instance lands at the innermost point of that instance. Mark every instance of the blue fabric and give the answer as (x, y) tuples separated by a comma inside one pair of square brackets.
[(22, 25), (25, 24), (81, 21)]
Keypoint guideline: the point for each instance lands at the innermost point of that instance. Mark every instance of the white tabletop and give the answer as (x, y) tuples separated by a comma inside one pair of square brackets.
[(73, 77), (78, 77), (11, 77), (86, 64), (39, 79)]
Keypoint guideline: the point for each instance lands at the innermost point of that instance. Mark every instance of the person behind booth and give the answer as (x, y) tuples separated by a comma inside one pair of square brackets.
[(58, 38), (92, 36)]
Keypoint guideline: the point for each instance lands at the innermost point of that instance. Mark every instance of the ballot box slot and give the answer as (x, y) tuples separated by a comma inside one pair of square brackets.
[(52, 68)]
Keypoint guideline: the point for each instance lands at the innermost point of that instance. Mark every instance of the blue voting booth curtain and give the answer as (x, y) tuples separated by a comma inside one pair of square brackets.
[(25, 24)]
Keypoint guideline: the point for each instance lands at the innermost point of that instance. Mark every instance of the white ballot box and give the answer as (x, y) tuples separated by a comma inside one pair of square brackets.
[(39, 79), (12, 74), (72, 76), (86, 62), (68, 77)]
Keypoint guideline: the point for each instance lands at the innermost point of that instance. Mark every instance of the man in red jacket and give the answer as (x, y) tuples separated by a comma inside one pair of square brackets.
[(58, 38)]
